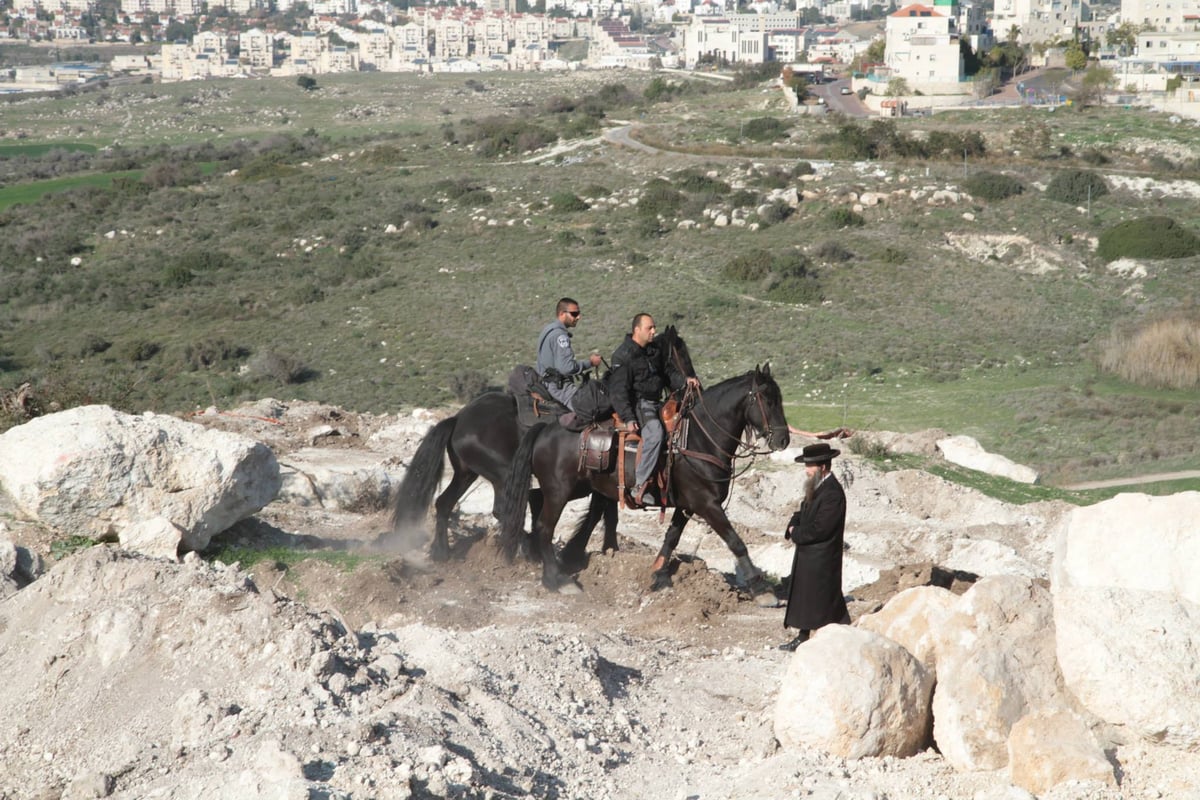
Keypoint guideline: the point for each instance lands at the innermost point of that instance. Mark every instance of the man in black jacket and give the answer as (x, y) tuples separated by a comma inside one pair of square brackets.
[(817, 530), (636, 386)]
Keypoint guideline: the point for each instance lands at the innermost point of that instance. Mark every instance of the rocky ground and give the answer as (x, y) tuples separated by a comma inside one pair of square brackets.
[(134, 678)]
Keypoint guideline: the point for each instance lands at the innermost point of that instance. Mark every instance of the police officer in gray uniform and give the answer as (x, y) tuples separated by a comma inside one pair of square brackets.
[(557, 365)]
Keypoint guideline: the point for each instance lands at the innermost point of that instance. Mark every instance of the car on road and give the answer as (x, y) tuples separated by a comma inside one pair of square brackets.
[(847, 90)]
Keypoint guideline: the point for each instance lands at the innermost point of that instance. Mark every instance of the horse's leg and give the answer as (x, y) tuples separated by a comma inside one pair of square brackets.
[(444, 506), (531, 545), (661, 575), (574, 552), (746, 573), (554, 575), (610, 524)]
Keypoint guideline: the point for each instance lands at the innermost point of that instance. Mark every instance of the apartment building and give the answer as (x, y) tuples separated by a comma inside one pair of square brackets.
[(922, 47)]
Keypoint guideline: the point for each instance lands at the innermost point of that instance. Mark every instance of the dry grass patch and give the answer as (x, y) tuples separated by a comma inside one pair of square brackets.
[(1164, 352)]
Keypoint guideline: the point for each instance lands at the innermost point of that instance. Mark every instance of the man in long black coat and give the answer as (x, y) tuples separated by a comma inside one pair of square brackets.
[(817, 530)]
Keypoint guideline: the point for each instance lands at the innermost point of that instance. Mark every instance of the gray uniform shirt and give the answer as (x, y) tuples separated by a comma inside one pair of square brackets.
[(554, 350)]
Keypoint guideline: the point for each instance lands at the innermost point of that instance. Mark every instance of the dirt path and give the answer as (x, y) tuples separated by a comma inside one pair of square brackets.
[(1156, 478)]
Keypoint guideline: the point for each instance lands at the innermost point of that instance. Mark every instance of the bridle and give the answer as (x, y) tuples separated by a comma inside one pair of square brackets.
[(742, 449)]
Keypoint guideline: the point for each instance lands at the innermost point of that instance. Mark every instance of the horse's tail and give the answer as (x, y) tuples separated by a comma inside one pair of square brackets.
[(424, 473), (515, 495)]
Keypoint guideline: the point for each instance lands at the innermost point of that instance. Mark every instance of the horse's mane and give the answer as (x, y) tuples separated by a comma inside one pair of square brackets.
[(719, 390)]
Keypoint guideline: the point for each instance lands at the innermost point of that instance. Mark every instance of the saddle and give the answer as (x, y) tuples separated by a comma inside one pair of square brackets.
[(599, 441), (534, 401)]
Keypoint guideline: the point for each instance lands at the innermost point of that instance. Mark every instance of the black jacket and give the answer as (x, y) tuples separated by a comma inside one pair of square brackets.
[(818, 531), (638, 373)]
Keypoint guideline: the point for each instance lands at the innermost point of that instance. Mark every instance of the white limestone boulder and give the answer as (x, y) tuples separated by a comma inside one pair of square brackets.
[(967, 452), (912, 619), (1127, 613), (338, 479), (1050, 747), (93, 471), (995, 664), (854, 694)]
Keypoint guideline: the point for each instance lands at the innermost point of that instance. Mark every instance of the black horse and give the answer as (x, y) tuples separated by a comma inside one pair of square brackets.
[(480, 441), (700, 476)]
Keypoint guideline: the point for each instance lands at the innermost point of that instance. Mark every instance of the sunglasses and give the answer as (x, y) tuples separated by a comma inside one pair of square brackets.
[(574, 313)]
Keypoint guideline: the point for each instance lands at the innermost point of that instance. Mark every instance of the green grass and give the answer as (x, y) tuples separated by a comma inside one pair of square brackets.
[(24, 193), (1016, 492), (33, 150), (285, 558)]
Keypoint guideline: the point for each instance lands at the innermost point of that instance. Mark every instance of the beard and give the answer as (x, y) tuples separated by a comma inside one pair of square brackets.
[(811, 482)]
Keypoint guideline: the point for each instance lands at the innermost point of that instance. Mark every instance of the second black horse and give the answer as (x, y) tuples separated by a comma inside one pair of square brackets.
[(700, 476)]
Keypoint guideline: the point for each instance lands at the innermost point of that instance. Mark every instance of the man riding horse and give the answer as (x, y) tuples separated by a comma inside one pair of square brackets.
[(636, 386)]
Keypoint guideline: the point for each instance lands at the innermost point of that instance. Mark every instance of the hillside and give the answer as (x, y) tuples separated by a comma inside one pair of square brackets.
[(386, 243)]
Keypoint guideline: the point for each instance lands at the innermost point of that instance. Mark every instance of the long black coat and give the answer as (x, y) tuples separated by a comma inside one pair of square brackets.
[(817, 530)]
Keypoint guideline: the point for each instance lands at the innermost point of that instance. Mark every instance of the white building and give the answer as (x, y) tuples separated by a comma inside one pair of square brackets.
[(1038, 20), (1168, 16), (922, 48)]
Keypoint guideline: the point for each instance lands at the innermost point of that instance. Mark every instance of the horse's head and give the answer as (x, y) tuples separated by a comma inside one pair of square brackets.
[(765, 411), (674, 350)]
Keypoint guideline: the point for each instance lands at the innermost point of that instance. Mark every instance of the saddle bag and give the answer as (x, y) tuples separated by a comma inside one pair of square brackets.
[(596, 448)]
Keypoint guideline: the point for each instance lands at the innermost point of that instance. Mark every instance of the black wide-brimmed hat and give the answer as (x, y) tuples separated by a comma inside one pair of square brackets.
[(817, 453)]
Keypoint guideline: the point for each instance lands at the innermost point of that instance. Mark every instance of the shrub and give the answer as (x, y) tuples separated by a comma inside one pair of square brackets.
[(842, 217), (1164, 352), (743, 198), (1147, 237), (803, 168), (659, 198), (567, 203), (832, 251), (91, 344), (1094, 157), (205, 354), (802, 289), (597, 190), (774, 213), (567, 239), (764, 129), (698, 183), (752, 265), (140, 350), (1076, 186), (278, 367), (992, 186)]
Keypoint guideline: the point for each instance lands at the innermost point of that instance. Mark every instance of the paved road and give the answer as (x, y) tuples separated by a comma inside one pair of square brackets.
[(1159, 478)]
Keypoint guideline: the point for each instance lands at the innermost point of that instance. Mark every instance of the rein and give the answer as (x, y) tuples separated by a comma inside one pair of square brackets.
[(741, 449)]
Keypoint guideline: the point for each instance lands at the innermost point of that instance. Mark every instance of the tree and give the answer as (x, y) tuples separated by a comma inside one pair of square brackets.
[(897, 87), (1091, 88), (306, 82), (1075, 57), (1122, 38)]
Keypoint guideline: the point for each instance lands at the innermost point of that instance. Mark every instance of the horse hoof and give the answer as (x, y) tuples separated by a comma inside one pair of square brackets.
[(661, 580), (570, 587)]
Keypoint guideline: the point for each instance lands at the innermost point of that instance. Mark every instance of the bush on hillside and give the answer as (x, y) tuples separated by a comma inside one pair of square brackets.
[(697, 182), (567, 203), (764, 129), (659, 198), (832, 251), (1162, 353), (278, 367), (753, 265), (1076, 186), (992, 186), (774, 213), (1148, 237), (842, 217)]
